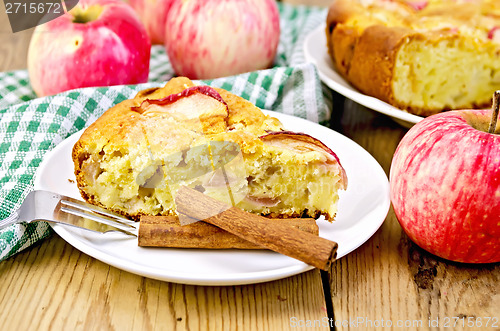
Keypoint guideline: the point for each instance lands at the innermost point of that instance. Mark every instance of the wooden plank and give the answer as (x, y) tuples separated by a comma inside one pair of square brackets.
[(54, 286), (13, 46)]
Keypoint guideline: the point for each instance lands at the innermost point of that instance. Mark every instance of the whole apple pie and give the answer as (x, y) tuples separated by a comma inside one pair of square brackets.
[(423, 56), (135, 156)]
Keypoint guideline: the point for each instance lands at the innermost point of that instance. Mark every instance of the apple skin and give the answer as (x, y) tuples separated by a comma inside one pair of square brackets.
[(169, 99), (153, 14), (284, 136), (114, 49), (221, 109), (303, 143), (445, 186), (214, 38)]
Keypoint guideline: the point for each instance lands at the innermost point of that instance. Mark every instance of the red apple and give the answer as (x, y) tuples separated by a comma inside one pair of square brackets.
[(214, 38), (98, 43), (445, 186), (153, 14)]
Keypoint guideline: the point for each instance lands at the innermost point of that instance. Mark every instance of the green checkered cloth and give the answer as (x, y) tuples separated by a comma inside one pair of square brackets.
[(30, 126)]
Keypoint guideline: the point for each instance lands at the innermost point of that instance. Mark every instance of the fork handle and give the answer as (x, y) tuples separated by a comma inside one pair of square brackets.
[(11, 219)]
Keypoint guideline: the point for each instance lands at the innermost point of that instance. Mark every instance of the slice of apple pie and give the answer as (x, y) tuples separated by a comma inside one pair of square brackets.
[(134, 157)]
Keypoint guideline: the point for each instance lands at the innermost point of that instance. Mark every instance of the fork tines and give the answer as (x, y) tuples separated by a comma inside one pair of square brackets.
[(99, 215)]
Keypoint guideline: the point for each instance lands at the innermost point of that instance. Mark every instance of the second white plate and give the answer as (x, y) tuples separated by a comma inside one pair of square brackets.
[(316, 51), (362, 209)]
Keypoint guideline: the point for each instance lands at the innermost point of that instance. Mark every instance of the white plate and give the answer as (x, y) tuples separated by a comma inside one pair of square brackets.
[(316, 51), (362, 209)]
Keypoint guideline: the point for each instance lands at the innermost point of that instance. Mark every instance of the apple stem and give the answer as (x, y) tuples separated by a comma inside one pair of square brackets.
[(495, 109)]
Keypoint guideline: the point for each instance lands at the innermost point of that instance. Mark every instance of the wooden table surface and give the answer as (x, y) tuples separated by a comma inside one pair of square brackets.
[(387, 281)]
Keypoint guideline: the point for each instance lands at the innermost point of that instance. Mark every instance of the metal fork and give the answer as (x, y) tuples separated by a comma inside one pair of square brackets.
[(51, 207)]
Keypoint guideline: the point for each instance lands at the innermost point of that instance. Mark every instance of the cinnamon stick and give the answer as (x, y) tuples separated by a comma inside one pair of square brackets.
[(276, 236), (166, 231)]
